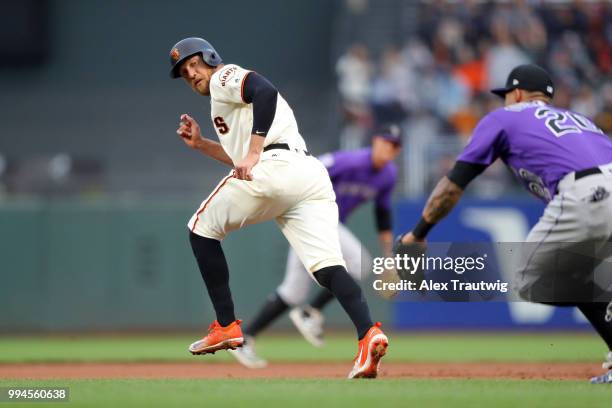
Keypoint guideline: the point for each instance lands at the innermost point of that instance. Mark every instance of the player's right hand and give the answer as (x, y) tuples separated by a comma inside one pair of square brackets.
[(189, 131)]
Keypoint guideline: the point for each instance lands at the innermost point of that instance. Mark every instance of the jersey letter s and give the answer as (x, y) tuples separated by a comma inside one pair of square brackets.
[(221, 125)]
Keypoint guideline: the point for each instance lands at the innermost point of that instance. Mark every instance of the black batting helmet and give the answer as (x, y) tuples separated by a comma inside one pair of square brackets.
[(191, 46)]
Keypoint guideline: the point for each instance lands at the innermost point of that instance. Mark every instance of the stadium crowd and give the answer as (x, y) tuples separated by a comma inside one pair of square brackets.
[(436, 82)]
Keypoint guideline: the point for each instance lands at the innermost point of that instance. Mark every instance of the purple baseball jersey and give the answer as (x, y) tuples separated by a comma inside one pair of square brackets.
[(540, 143), (356, 181)]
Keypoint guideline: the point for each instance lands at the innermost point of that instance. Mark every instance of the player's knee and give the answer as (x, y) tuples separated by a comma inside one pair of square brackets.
[(202, 245), (208, 231), (354, 270), (338, 281), (326, 276), (292, 297), (323, 263), (523, 293), (358, 268)]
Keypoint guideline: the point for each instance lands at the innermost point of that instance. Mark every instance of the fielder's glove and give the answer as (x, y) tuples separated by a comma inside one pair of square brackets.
[(406, 269)]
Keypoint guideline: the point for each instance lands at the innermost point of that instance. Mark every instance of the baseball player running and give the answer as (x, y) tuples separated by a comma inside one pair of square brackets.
[(564, 159), (273, 177), (358, 176)]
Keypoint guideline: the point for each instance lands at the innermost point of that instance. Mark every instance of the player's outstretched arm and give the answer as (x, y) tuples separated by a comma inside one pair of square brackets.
[(444, 197), (189, 131), (442, 200)]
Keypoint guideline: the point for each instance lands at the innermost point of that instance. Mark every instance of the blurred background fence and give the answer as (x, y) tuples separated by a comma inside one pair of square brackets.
[(99, 266), (95, 187)]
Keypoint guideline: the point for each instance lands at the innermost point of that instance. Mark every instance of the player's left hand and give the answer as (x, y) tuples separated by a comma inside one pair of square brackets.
[(242, 170)]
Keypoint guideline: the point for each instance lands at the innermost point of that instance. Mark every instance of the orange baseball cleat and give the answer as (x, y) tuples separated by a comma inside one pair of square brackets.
[(372, 347), (219, 338)]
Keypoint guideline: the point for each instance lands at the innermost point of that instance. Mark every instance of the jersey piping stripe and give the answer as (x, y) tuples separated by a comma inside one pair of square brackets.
[(242, 86), (201, 210)]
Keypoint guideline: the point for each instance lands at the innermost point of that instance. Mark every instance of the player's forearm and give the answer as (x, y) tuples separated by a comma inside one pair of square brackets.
[(242, 169), (386, 242), (442, 200), (214, 149), (444, 197), (256, 145)]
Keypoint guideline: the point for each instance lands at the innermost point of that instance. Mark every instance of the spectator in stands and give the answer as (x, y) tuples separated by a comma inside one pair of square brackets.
[(393, 90), (503, 55), (355, 70), (585, 102), (437, 83), (604, 118)]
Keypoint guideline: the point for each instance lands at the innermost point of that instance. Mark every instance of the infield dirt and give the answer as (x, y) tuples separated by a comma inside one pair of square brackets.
[(506, 370)]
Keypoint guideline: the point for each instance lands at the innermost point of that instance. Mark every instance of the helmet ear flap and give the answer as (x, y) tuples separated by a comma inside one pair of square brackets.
[(211, 58)]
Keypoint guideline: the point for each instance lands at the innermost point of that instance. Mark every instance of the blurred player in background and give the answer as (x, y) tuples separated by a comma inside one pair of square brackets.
[(273, 177), (358, 176), (565, 160)]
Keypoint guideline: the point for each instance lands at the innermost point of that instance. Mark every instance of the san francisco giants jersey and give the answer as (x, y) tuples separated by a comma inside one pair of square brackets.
[(232, 117), (540, 143)]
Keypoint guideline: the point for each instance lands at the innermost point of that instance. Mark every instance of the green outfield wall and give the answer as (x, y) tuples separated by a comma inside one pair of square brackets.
[(114, 266)]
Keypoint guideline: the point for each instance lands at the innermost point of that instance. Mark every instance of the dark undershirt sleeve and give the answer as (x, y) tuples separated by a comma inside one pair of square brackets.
[(383, 218), (463, 173), (262, 94)]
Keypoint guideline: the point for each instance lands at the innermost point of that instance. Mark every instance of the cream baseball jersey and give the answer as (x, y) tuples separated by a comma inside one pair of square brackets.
[(232, 117)]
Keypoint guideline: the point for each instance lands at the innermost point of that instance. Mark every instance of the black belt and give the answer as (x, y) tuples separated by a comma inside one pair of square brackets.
[(283, 146), (587, 172)]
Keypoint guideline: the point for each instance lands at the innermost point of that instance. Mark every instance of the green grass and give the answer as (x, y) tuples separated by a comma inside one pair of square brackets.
[(339, 347), (273, 393), (327, 393)]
